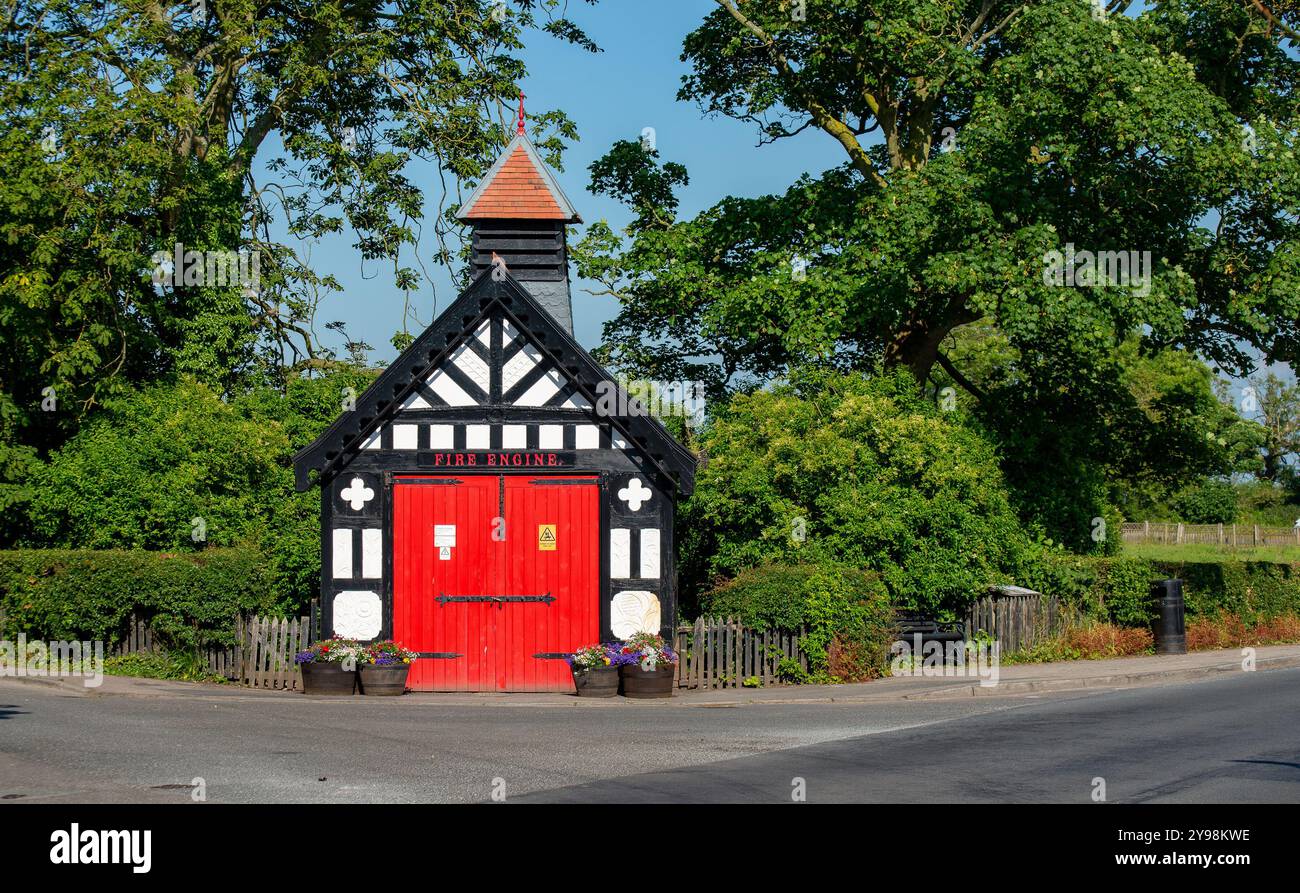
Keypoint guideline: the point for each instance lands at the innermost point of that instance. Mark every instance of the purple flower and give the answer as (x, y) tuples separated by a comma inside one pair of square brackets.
[(303, 657)]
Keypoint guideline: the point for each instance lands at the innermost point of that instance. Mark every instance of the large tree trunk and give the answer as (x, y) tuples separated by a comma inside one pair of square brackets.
[(916, 344)]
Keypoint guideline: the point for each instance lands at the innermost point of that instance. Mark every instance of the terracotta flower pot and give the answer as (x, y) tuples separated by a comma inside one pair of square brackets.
[(386, 679), (599, 682), (656, 683), (326, 678)]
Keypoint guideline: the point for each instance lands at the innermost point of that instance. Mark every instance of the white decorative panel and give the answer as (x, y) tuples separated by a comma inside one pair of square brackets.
[(586, 437), (634, 611), (452, 394), (576, 401), (341, 553), (484, 333), (478, 437), (617, 441), (620, 553), (406, 437), (542, 390), (635, 494), (650, 554), (442, 437), (415, 401), (473, 366), (514, 437), (510, 333), (356, 494), (372, 442), (518, 366), (358, 615), (372, 553), (550, 437)]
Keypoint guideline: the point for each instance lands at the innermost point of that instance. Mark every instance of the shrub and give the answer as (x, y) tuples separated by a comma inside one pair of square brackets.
[(1211, 502), (1230, 631), (860, 472), (1116, 589), (847, 612), (90, 594)]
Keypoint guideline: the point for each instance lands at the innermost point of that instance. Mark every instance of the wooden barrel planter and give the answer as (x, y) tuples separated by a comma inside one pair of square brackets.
[(599, 682), (326, 678), (385, 680), (656, 683)]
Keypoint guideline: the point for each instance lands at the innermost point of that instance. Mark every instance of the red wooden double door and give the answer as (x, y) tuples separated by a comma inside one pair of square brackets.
[(495, 577)]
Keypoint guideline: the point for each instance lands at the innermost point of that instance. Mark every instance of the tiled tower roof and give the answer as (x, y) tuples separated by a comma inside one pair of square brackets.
[(519, 187)]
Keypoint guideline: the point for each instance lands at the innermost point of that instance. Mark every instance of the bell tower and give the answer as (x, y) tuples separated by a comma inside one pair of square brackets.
[(518, 214)]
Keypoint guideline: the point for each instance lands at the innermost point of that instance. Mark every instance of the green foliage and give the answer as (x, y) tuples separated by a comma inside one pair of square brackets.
[(1117, 589), (140, 474), (90, 594), (843, 608), (180, 665), (129, 129), (1212, 502), (857, 471), (163, 466), (988, 119)]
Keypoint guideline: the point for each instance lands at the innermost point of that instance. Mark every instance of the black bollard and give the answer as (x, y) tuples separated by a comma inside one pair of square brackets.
[(1170, 631)]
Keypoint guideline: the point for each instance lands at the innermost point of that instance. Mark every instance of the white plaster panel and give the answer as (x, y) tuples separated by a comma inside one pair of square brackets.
[(442, 437), (341, 553), (634, 611), (406, 437), (650, 554), (478, 437), (358, 614), (586, 437), (620, 553), (550, 437), (514, 437), (372, 553)]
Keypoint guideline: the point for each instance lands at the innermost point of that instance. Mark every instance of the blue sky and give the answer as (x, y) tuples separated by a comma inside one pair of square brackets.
[(610, 96)]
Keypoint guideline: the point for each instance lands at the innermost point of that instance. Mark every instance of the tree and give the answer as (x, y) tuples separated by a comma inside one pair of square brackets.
[(1279, 414), (983, 143), (127, 130)]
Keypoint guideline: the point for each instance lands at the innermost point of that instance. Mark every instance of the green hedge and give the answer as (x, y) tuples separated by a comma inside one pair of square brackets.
[(189, 599), (846, 610), (1118, 589)]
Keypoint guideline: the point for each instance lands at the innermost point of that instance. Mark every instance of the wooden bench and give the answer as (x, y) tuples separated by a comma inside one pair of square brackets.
[(910, 624)]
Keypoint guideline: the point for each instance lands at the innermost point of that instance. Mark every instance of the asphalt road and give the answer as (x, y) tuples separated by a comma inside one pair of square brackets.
[(1229, 740)]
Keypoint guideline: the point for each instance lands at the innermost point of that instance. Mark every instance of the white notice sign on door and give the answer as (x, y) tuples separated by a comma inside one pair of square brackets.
[(444, 535)]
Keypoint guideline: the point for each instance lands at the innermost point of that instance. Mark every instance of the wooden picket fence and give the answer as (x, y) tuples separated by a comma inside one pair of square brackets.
[(1231, 535), (721, 652), (1016, 620), (262, 656), (265, 651)]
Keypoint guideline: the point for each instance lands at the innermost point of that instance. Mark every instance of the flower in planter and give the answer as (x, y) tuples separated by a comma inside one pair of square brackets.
[(387, 654), (592, 657), (648, 650), (331, 651)]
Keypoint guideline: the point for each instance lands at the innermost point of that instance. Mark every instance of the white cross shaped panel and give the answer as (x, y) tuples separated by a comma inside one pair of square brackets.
[(634, 494), (357, 494)]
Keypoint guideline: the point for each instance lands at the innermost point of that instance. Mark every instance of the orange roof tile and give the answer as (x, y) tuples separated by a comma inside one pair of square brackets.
[(517, 191)]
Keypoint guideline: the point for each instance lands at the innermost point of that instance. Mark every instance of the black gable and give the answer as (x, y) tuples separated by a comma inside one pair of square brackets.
[(487, 297)]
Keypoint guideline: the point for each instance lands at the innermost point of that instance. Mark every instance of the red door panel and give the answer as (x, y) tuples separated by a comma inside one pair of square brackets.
[(420, 574), (495, 643), (568, 572)]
